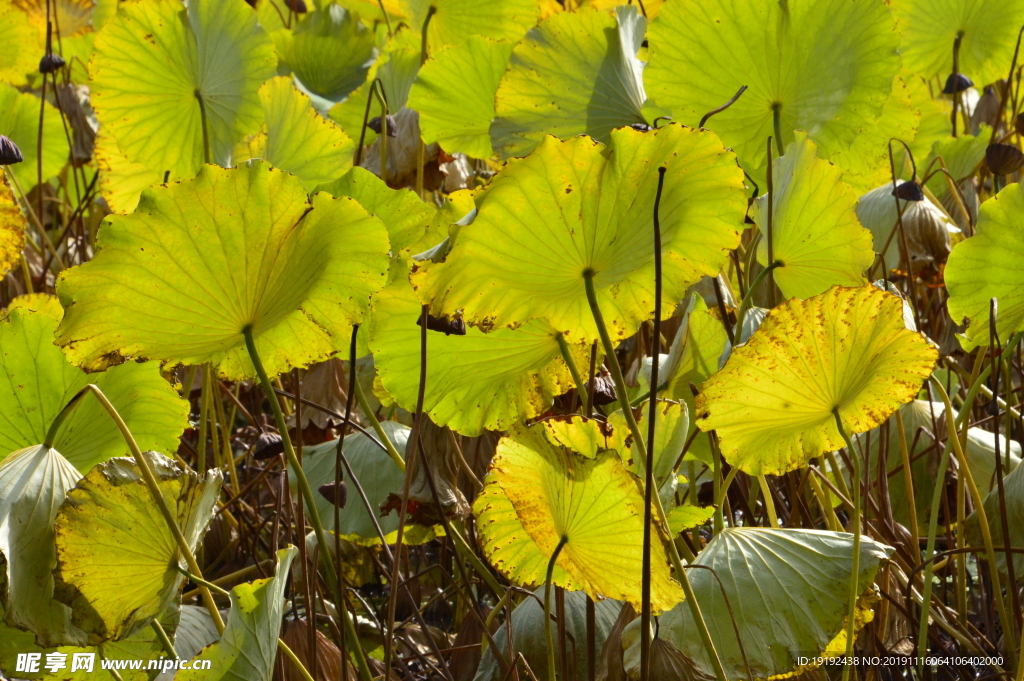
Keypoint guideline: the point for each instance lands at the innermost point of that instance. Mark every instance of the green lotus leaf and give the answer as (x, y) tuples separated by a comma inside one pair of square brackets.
[(789, 590), (454, 93), (35, 302), (329, 51), (33, 483), (158, 66), (688, 516), (826, 66), (12, 226), (379, 476), (71, 16), (987, 31), (960, 154), (817, 236), (110, 534), (396, 67), (476, 382), (935, 112), (297, 138), (576, 73), (671, 428), (1013, 492), (404, 214), (453, 21), (16, 35), (19, 120), (537, 494), (846, 349), (196, 630), (36, 382), (986, 266), (247, 649), (121, 180), (528, 634), (143, 646), (577, 207), (201, 260)]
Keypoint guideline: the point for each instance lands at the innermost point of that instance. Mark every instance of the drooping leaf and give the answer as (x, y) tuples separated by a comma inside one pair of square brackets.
[(247, 649), (846, 349), (454, 93), (33, 483), (586, 437), (181, 278), (36, 382), (328, 50), (826, 65), (789, 591), (160, 69), (537, 494), (986, 266), (196, 630), (19, 120), (377, 473), (816, 234), (987, 31), (528, 634), (298, 139), (453, 21), (576, 73), (474, 382), (12, 224), (111, 534), (687, 516), (576, 207)]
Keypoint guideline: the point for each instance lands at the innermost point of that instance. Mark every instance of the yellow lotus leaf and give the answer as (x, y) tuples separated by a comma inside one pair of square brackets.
[(12, 227), (846, 349), (537, 494)]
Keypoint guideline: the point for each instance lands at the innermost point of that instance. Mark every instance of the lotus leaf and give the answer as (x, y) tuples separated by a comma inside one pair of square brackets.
[(453, 21), (537, 494), (36, 382), (180, 279), (12, 225), (578, 208), (846, 349), (110, 534), (16, 34), (19, 120)]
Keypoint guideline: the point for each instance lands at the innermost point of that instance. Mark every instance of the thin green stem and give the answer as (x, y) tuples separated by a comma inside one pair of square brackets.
[(206, 131), (851, 611), (581, 387), (164, 639), (295, 660), (777, 126), (431, 11), (770, 218), (377, 427), (549, 639), (378, 90), (677, 564), (387, 19), (307, 496), (747, 299), (769, 502), (202, 582)]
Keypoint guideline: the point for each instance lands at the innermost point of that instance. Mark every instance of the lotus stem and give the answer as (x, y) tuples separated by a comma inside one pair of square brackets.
[(770, 217), (165, 641), (206, 131), (851, 612), (378, 90), (547, 608), (777, 127), (377, 427), (387, 19), (307, 497), (151, 485), (581, 387), (673, 553), (295, 659), (747, 299), (769, 502), (908, 479)]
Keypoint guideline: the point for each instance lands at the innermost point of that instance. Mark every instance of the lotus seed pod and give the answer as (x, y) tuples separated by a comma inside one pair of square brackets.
[(374, 124), (268, 445), (297, 6), (908, 191), (1003, 159), (334, 492), (50, 63), (9, 151), (957, 82), (449, 326)]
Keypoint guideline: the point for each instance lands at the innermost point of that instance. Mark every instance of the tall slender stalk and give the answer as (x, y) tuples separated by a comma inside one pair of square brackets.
[(856, 478), (581, 387), (549, 639)]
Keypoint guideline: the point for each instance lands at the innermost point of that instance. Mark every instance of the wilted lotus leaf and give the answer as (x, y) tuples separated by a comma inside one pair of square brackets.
[(12, 226), (686, 516), (528, 634), (816, 234), (578, 208), (927, 228), (586, 437), (826, 66), (454, 93), (537, 494), (16, 35), (846, 349), (455, 20), (201, 260), (475, 382), (110, 534), (576, 73), (297, 138), (379, 476), (36, 382), (986, 266), (19, 120), (329, 51), (33, 483), (987, 30), (789, 590), (248, 647), (159, 67)]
